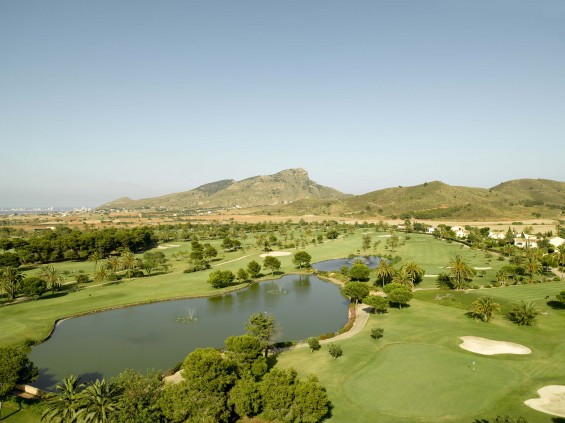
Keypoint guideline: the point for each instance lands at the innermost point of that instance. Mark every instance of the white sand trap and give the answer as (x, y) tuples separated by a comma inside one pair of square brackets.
[(483, 268), (384, 236), (486, 346), (276, 254), (551, 401), (174, 378), (164, 247)]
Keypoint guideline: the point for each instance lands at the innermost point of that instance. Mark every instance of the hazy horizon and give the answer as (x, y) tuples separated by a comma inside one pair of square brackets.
[(107, 99)]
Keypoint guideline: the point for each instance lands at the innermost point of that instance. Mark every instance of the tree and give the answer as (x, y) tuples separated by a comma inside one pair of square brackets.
[(9, 260), (33, 286), (15, 368), (379, 304), (560, 258), (414, 272), (82, 278), (10, 279), (302, 258), (52, 276), (245, 397), (561, 297), (209, 252), (313, 343), (129, 263), (377, 333), (400, 297), (254, 268), (206, 369), (335, 350), (310, 404), (356, 291), (262, 326), (272, 263), (242, 274), (359, 271), (366, 242), (103, 274), (220, 278), (532, 267), (393, 242), (523, 314), (286, 398), (100, 402), (385, 271), (246, 351), (484, 308), (402, 277), (64, 406), (460, 272), (139, 397)]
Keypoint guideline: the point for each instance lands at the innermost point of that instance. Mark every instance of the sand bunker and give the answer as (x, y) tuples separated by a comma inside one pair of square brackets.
[(489, 347), (276, 254), (164, 247), (551, 401)]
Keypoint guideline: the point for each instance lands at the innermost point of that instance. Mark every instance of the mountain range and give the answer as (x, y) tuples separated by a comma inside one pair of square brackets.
[(292, 192)]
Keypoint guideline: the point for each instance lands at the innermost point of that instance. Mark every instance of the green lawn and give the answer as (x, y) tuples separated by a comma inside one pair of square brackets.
[(11, 413), (418, 373)]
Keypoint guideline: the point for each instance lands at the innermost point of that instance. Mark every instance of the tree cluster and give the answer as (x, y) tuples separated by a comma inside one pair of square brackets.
[(71, 244)]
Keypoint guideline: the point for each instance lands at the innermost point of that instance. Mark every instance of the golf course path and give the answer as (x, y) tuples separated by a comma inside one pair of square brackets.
[(361, 318), (231, 261)]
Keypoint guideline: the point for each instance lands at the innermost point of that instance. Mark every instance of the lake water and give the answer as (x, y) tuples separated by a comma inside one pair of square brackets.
[(333, 265), (159, 335)]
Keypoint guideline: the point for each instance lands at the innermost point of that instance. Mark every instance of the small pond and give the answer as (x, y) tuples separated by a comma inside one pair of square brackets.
[(335, 264), (159, 335)]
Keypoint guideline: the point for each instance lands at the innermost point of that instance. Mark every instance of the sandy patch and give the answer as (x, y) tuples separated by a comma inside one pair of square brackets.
[(276, 254), (384, 236), (174, 378), (489, 347), (483, 268), (551, 401), (164, 247)]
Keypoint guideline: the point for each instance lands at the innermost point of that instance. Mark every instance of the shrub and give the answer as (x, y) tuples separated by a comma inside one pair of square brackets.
[(523, 314), (335, 351), (313, 343), (377, 333)]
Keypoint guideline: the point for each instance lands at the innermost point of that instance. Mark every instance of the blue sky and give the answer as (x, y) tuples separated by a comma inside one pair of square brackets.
[(104, 99)]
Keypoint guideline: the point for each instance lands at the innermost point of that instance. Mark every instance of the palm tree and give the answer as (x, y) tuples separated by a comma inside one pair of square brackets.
[(128, 262), (384, 271), (484, 307), (560, 258), (460, 271), (10, 278), (95, 257), (414, 271), (52, 276), (402, 277), (100, 402), (114, 264), (64, 406), (532, 267), (102, 274), (523, 314)]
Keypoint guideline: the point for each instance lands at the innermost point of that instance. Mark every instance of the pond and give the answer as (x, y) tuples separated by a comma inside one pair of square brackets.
[(335, 264), (159, 335)]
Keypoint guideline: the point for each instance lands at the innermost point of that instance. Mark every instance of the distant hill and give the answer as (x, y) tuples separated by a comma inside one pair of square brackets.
[(284, 187), (291, 192), (522, 198)]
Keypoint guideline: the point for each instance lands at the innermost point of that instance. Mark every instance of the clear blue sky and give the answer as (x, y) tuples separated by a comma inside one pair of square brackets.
[(103, 99)]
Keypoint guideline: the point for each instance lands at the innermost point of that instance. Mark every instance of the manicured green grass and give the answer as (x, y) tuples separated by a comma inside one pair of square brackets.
[(418, 373), (11, 413)]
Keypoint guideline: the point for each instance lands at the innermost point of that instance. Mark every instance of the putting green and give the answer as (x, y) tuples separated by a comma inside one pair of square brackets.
[(429, 382)]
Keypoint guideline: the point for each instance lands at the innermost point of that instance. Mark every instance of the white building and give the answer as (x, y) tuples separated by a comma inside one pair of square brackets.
[(557, 241)]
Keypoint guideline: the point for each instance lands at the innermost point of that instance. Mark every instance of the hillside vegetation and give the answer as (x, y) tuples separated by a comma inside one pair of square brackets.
[(291, 192), (283, 187)]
